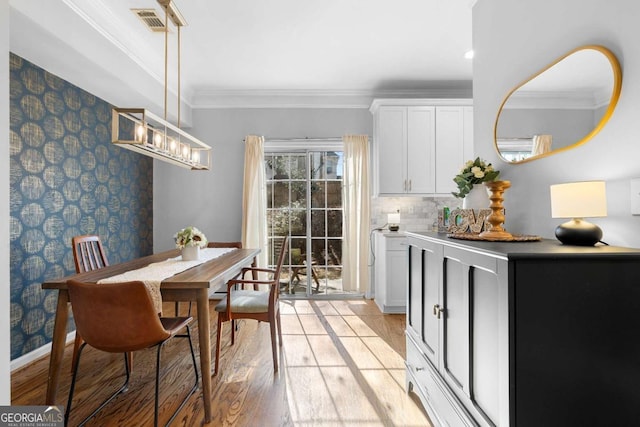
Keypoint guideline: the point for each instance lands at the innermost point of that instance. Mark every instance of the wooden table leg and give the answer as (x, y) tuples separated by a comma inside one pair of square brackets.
[(57, 345), (205, 350)]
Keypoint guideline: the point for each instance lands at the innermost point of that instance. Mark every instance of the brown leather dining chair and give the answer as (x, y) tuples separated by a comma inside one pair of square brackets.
[(261, 305), (121, 318), (88, 255)]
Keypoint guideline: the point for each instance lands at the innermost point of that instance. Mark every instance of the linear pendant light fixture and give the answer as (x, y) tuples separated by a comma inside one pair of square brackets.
[(141, 131)]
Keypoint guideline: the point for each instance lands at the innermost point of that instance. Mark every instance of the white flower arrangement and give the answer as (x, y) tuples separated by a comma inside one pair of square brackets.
[(190, 236), (474, 172)]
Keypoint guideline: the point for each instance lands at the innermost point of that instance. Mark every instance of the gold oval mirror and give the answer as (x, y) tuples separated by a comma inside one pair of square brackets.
[(559, 108)]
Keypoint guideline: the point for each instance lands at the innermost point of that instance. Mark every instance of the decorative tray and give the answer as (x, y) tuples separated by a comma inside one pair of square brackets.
[(512, 238)]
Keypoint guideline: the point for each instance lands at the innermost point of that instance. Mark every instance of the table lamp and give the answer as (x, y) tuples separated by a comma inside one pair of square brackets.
[(393, 219), (578, 200)]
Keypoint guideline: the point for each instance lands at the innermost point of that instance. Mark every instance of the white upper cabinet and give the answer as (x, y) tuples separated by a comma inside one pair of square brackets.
[(454, 144), (420, 144), (420, 150), (390, 138)]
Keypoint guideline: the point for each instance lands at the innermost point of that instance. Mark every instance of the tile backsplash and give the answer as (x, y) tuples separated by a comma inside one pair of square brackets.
[(416, 213)]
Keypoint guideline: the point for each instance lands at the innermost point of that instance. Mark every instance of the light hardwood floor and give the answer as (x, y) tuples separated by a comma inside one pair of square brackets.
[(341, 365)]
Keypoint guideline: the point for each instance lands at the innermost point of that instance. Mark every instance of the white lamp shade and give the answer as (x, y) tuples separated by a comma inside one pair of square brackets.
[(393, 218), (579, 200)]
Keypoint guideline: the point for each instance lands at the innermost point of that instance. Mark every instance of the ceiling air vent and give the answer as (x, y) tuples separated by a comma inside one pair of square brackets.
[(150, 19)]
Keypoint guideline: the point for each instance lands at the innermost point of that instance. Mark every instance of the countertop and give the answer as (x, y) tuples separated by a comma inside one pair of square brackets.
[(544, 248)]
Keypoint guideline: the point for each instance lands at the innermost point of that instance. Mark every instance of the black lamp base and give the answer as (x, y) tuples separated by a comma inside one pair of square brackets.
[(578, 232)]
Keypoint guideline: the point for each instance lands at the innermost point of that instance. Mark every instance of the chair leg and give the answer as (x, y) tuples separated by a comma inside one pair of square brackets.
[(157, 399), (218, 332), (272, 327), (193, 357), (74, 371), (279, 326), (76, 345), (103, 404), (130, 360), (193, 389), (315, 279), (294, 274), (233, 331)]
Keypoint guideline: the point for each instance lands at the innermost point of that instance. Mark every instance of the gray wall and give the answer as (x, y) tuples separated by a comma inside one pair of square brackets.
[(212, 200), (513, 40)]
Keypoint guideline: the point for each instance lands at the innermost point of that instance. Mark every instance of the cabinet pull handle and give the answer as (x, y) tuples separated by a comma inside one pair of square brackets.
[(409, 185), (418, 369), (404, 185), (437, 310)]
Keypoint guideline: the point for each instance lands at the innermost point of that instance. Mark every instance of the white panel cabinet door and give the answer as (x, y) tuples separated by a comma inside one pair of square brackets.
[(391, 272), (450, 133), (391, 141), (468, 134), (432, 300), (421, 150)]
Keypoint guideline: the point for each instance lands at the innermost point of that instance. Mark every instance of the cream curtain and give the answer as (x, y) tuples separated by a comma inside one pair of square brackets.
[(541, 144), (356, 205), (254, 203)]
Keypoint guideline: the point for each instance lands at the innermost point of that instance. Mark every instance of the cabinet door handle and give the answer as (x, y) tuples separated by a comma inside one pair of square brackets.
[(404, 185), (437, 310), (409, 185), (418, 369)]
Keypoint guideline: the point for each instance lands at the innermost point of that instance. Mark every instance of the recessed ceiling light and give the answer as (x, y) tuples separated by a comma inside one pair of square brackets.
[(468, 54)]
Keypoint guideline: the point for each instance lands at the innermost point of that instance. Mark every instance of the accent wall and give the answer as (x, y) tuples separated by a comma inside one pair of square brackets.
[(66, 179)]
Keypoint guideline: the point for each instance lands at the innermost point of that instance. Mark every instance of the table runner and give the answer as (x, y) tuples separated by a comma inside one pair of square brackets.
[(153, 274)]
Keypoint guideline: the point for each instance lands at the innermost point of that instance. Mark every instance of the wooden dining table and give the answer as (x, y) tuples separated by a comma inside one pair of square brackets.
[(195, 284)]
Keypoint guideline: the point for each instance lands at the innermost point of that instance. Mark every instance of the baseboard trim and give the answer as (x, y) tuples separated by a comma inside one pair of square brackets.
[(36, 354)]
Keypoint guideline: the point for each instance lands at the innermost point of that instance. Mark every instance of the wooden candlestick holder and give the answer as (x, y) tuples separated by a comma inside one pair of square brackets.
[(496, 219)]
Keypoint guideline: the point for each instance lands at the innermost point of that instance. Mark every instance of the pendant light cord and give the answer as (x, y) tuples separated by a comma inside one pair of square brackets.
[(179, 26), (166, 62), (166, 59)]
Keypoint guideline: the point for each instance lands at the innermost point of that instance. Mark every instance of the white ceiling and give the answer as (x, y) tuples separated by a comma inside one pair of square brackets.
[(253, 52)]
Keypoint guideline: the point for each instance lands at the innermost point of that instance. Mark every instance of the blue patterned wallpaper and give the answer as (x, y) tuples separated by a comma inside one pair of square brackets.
[(66, 178)]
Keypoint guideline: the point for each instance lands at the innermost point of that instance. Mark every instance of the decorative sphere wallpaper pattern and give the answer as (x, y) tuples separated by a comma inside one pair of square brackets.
[(66, 179)]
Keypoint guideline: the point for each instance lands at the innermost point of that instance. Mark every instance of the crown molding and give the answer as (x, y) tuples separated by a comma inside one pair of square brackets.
[(359, 99), (556, 100), (409, 102), (116, 26)]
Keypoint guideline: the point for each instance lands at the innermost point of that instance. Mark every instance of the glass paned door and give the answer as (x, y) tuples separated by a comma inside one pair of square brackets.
[(304, 201)]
